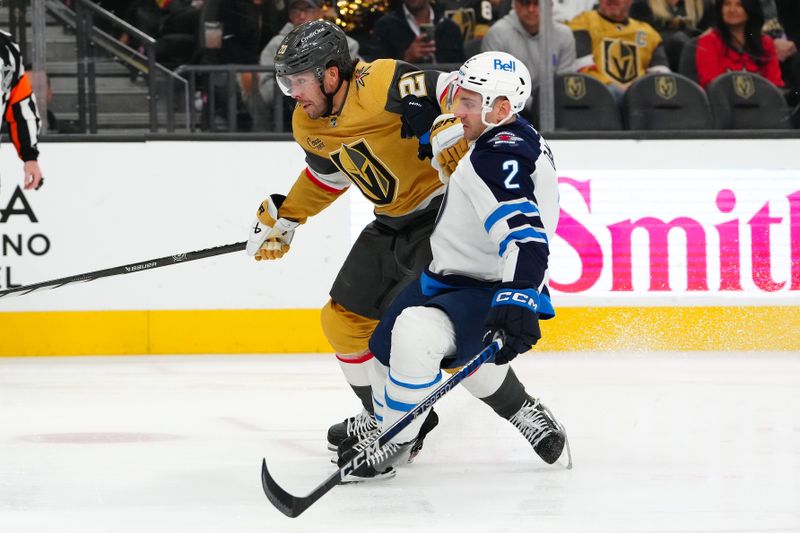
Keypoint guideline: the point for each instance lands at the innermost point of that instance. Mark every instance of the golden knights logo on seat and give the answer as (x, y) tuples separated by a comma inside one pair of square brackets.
[(743, 85), (575, 87), (370, 175), (620, 60), (666, 87)]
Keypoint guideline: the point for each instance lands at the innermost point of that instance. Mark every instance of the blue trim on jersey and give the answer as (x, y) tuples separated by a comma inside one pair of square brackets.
[(374, 399), (378, 417), (398, 406), (519, 235), (413, 385), (431, 286), (506, 210)]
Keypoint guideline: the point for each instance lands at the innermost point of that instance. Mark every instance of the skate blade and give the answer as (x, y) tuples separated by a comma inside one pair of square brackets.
[(565, 459)]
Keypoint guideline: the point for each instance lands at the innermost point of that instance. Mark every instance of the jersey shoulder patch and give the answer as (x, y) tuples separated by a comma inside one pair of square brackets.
[(505, 139)]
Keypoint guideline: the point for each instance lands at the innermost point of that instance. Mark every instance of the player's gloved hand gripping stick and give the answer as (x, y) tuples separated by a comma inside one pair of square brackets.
[(293, 506), (514, 315), (270, 235)]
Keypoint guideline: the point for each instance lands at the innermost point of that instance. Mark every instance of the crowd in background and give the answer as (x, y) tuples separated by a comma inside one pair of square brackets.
[(614, 41)]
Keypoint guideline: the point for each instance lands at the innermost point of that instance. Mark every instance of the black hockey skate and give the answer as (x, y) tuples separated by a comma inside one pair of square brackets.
[(379, 463), (431, 421), (360, 426), (547, 436)]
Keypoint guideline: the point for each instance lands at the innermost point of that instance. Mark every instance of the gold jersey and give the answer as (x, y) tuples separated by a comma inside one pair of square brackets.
[(362, 145), (619, 52)]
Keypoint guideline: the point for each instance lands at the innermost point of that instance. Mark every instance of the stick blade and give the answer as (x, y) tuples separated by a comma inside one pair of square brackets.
[(286, 503)]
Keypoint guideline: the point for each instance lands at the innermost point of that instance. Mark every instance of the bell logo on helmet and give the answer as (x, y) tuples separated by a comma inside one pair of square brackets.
[(511, 66)]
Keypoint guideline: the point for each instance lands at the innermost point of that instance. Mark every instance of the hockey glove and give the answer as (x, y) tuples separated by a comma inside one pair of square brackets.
[(417, 117), (447, 144), (514, 316), (270, 236)]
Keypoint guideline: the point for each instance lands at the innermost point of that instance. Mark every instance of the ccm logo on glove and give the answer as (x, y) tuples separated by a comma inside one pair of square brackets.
[(528, 298)]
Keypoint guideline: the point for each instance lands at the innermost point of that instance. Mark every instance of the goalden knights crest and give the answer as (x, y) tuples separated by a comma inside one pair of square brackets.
[(575, 87), (743, 85), (366, 171), (666, 87)]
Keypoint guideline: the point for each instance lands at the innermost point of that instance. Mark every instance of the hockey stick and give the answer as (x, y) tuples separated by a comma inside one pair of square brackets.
[(292, 506), (126, 269)]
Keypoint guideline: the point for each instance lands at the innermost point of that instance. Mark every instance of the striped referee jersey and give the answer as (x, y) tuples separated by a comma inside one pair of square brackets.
[(18, 102)]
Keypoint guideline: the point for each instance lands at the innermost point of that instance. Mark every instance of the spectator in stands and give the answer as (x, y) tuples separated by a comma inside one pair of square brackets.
[(566, 10), (677, 21), (300, 11), (615, 48), (416, 33), (473, 17), (736, 43), (783, 25), (248, 25), (518, 34), (177, 40)]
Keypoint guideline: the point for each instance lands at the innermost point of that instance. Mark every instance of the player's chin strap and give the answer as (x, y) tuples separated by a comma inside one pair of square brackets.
[(490, 125), (329, 96)]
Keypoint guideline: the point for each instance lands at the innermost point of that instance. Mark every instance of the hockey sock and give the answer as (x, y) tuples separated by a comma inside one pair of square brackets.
[(402, 394), (355, 369), (509, 397)]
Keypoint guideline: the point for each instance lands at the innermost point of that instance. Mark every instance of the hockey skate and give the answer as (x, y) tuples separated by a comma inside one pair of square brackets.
[(379, 462), (547, 436), (431, 421), (360, 426)]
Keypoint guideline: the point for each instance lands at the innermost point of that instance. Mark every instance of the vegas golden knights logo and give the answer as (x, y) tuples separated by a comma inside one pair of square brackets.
[(465, 19), (620, 60), (368, 172), (666, 87), (575, 87), (743, 85)]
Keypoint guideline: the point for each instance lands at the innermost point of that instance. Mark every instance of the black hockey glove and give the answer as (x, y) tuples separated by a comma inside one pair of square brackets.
[(417, 117), (514, 316)]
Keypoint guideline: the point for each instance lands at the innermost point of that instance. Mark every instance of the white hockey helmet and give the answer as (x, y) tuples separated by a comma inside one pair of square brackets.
[(493, 74)]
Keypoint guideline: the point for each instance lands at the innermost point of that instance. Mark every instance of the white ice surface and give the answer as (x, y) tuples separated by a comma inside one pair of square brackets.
[(661, 443)]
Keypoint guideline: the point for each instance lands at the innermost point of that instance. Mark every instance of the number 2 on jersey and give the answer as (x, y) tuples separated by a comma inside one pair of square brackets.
[(512, 166)]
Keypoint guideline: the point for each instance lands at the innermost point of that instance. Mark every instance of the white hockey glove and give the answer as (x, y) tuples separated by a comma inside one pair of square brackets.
[(448, 144), (270, 236)]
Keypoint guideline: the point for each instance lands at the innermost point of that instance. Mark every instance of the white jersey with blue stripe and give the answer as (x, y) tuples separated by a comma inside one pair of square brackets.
[(499, 214)]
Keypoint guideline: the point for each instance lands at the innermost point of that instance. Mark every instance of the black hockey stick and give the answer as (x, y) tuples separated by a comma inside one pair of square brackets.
[(125, 269), (292, 506)]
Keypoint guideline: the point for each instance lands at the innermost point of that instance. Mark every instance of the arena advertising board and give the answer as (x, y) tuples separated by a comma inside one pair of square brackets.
[(715, 231)]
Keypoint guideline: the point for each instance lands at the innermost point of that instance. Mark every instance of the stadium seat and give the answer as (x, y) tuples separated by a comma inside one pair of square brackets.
[(666, 101), (687, 65), (743, 100), (581, 103)]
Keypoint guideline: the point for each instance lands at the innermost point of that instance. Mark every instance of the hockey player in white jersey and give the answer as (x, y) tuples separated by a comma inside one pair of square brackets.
[(489, 270)]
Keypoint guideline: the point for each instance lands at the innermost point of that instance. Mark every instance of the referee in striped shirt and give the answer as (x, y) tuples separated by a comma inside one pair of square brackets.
[(19, 109)]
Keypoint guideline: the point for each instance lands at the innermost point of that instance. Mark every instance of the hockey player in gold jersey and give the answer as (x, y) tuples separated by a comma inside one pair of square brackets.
[(359, 124), (368, 125)]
